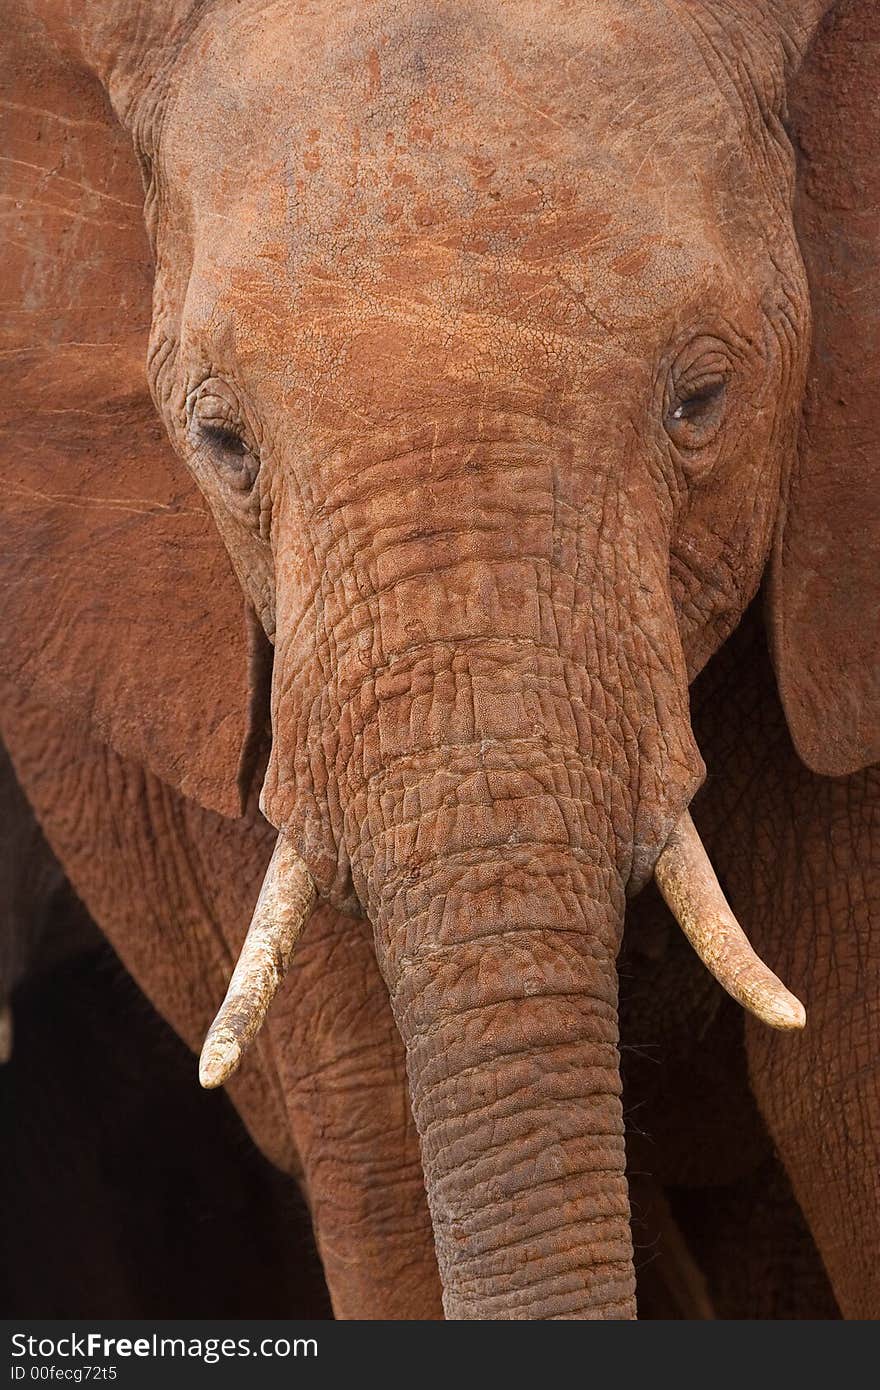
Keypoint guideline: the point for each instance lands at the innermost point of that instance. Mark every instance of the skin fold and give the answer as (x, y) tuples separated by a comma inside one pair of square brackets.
[(490, 359)]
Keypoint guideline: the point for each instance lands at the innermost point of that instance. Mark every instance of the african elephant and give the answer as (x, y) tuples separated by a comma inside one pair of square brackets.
[(484, 332)]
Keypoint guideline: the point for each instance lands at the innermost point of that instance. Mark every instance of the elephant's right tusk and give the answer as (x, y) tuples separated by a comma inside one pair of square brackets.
[(687, 881), (283, 907)]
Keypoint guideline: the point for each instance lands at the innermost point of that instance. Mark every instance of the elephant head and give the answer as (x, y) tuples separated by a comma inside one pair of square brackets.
[(484, 331)]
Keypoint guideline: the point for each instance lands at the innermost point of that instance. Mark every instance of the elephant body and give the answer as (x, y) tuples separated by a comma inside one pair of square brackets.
[(490, 384)]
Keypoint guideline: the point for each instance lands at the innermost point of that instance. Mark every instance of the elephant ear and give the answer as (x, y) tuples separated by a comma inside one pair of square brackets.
[(121, 608), (825, 582)]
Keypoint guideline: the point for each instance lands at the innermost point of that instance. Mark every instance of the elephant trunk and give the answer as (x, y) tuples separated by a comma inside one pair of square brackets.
[(501, 968)]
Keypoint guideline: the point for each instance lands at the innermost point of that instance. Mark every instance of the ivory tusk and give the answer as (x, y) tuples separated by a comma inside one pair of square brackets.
[(283, 907), (687, 881)]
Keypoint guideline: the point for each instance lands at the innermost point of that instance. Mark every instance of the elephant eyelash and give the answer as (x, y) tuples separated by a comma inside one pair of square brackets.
[(224, 439), (215, 425), (696, 410), (230, 453)]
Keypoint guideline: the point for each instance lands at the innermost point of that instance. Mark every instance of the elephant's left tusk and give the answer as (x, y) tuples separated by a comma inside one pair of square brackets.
[(283, 907), (687, 881)]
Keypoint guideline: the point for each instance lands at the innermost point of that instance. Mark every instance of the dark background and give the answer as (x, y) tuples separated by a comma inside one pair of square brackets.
[(125, 1190)]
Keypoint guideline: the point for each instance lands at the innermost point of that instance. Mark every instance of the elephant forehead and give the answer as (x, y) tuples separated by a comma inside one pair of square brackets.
[(340, 343), (568, 300), (555, 73), (524, 290), (387, 196), (518, 130)]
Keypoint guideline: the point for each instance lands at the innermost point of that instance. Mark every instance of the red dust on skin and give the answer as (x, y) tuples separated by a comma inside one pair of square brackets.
[(488, 566)]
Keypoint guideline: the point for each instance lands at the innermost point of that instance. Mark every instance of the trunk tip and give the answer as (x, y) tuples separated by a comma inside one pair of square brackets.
[(220, 1057)]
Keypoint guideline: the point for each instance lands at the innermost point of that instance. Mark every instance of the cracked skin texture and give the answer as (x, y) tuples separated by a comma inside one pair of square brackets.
[(490, 370)]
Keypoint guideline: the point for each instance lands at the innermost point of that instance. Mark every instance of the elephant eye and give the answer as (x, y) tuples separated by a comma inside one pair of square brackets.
[(224, 440), (219, 439), (230, 454), (696, 409), (697, 404)]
